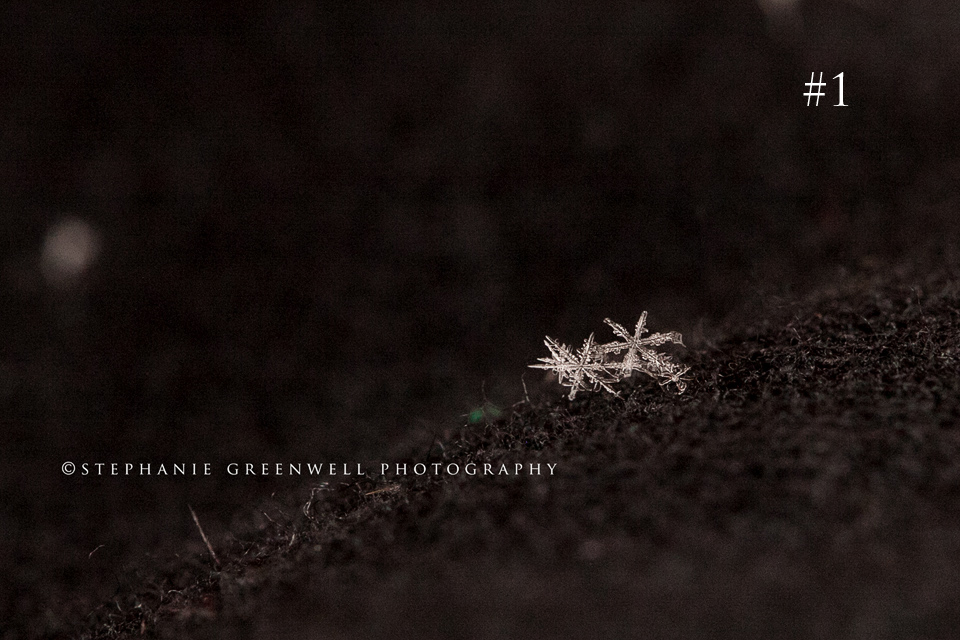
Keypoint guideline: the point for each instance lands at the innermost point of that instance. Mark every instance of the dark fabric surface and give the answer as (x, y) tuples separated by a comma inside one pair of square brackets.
[(806, 485)]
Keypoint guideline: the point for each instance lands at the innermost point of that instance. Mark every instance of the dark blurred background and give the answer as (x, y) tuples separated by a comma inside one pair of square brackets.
[(303, 232)]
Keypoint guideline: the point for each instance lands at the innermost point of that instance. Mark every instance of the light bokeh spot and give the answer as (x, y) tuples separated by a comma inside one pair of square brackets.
[(69, 249)]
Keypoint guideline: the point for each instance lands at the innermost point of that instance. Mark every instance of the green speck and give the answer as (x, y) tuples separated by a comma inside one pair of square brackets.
[(488, 410)]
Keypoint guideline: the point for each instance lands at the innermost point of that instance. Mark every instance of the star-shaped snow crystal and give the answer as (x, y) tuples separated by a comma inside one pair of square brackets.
[(580, 369), (640, 354), (674, 374)]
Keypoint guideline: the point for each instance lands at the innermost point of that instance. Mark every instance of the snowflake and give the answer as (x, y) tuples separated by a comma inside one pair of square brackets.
[(639, 353), (577, 370), (590, 368), (674, 373)]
